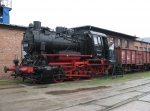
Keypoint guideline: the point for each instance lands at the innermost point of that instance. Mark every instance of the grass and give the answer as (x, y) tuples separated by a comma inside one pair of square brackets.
[(91, 82), (10, 81), (126, 77)]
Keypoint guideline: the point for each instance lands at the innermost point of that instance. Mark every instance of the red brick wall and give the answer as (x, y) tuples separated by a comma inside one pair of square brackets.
[(10, 45)]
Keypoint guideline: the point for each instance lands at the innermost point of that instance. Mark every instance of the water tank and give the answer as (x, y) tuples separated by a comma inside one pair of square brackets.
[(5, 8)]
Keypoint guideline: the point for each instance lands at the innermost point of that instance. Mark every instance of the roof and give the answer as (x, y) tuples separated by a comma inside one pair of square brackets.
[(105, 31), (87, 27), (11, 26), (144, 40)]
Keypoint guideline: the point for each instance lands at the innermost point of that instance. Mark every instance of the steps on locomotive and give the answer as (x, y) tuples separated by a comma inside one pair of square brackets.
[(117, 71)]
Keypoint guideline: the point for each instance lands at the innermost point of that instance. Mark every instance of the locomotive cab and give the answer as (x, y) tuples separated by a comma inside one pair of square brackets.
[(99, 41), (100, 44)]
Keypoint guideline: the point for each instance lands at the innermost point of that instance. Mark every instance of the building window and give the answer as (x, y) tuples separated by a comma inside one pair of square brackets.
[(126, 44), (141, 48), (136, 47), (119, 42)]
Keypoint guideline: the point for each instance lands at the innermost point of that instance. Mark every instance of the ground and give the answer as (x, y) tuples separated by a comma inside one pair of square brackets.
[(130, 93)]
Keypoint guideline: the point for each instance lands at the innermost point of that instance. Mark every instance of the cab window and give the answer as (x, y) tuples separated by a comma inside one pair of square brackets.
[(95, 40), (98, 40)]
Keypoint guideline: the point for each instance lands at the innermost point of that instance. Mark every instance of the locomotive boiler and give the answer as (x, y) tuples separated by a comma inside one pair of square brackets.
[(57, 55)]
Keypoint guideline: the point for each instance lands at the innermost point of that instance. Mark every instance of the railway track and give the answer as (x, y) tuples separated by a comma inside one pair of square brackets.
[(92, 99), (136, 98)]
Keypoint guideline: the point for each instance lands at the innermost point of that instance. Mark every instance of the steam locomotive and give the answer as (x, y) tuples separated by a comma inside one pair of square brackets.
[(61, 54)]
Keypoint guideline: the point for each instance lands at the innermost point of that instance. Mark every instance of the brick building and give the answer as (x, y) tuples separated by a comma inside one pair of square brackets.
[(141, 45), (10, 44)]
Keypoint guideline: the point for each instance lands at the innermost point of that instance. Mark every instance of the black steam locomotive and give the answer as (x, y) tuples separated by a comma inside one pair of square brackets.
[(61, 54)]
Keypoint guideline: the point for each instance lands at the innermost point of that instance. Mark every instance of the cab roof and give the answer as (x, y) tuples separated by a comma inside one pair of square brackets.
[(105, 31)]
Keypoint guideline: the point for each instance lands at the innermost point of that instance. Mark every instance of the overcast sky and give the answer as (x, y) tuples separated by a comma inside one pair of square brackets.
[(125, 16)]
